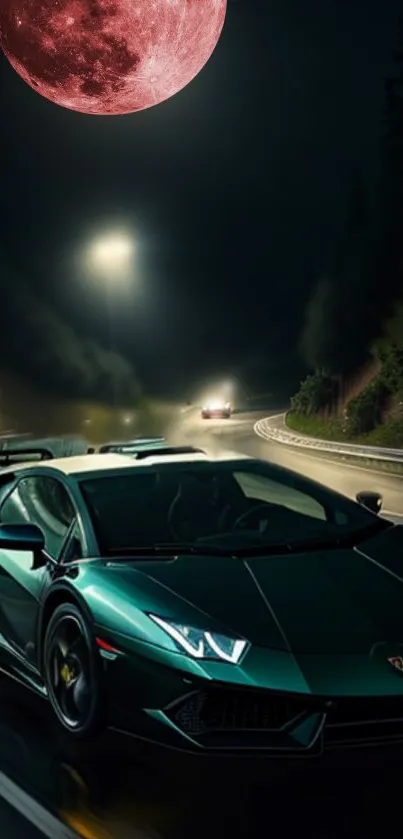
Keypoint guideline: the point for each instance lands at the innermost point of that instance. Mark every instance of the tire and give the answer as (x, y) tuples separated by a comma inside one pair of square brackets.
[(76, 695)]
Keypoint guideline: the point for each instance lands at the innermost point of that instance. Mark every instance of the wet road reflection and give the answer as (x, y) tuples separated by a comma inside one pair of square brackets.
[(121, 789)]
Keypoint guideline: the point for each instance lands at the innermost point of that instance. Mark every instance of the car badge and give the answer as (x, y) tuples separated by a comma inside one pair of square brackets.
[(397, 662)]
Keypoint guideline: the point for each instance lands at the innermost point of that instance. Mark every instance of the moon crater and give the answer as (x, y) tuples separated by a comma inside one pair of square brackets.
[(109, 56)]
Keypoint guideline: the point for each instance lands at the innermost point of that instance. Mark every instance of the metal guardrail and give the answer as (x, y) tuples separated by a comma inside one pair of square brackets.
[(267, 429)]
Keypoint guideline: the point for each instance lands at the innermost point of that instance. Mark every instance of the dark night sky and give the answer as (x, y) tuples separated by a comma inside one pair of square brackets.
[(235, 189)]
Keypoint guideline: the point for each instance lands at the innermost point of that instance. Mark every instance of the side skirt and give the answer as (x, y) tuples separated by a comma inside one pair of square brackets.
[(16, 667)]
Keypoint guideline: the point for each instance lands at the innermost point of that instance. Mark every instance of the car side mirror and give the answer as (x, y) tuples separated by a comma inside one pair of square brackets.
[(370, 500), (24, 537)]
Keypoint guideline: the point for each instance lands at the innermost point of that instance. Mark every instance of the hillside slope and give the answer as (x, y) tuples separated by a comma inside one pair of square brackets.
[(371, 414)]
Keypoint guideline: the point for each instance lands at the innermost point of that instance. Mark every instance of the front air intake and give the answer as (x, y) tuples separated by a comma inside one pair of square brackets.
[(235, 711)]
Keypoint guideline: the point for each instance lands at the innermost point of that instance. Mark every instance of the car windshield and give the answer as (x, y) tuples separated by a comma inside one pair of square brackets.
[(236, 507)]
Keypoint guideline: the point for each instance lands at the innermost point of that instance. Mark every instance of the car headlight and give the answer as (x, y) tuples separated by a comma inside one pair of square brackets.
[(201, 644)]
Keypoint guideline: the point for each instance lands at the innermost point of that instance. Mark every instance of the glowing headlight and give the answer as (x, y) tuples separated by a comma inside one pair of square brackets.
[(200, 644), (214, 406)]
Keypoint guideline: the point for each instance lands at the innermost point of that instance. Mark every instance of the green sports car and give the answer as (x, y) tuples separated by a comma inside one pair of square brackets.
[(208, 604)]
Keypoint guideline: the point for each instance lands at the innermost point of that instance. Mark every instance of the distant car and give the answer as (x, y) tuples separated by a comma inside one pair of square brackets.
[(213, 605), (217, 410)]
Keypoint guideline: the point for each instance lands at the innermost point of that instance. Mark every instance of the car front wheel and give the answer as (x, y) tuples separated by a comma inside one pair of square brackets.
[(72, 672)]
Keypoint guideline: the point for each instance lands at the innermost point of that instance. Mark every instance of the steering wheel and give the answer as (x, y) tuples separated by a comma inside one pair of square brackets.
[(253, 513)]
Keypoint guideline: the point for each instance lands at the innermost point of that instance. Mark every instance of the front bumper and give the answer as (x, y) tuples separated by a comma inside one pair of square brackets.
[(180, 710)]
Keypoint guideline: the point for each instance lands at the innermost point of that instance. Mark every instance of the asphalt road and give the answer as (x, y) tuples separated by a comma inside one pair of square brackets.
[(14, 825), (122, 790), (119, 789), (237, 435)]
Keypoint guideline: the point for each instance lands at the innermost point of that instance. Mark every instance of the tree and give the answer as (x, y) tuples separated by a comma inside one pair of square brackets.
[(389, 273), (389, 350), (315, 393), (359, 307), (319, 336), (335, 335)]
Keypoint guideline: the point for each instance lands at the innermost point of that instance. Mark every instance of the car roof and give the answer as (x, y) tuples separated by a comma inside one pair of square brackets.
[(97, 464)]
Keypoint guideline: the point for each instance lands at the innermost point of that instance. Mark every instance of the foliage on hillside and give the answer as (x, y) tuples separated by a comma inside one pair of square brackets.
[(376, 411), (356, 310), (314, 395)]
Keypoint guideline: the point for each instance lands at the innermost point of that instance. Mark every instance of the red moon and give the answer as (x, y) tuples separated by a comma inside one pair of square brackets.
[(106, 57)]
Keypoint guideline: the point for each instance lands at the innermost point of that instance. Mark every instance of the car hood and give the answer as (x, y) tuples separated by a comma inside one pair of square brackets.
[(327, 601)]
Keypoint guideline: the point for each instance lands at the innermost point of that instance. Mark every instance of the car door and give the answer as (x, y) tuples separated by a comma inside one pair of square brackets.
[(43, 501)]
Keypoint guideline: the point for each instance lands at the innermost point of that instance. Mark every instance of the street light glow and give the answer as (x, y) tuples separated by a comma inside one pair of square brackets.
[(112, 249), (111, 254)]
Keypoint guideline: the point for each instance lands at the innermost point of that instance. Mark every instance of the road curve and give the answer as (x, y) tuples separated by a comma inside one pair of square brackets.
[(237, 435)]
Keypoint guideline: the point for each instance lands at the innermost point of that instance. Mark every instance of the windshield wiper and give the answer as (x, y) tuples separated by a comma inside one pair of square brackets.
[(344, 540), (167, 550)]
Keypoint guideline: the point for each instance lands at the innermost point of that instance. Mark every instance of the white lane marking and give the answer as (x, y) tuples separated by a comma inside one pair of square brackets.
[(321, 459), (33, 812)]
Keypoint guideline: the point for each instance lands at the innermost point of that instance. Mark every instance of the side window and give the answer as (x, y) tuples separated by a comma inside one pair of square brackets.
[(263, 489), (13, 510), (45, 502)]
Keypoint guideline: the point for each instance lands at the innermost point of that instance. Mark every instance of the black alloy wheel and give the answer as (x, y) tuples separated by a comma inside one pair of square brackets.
[(72, 672)]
